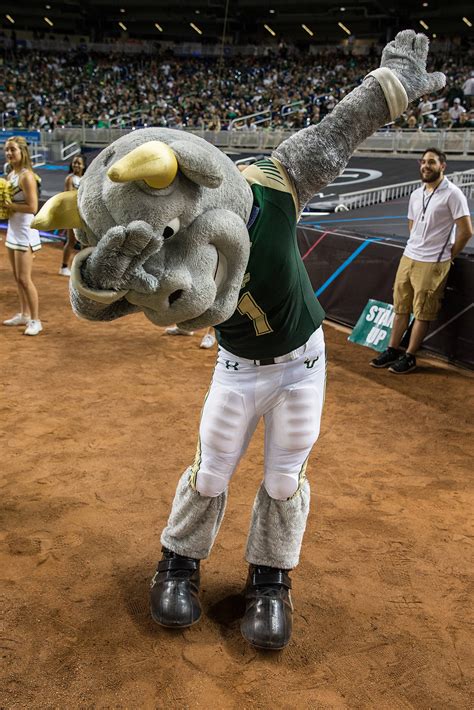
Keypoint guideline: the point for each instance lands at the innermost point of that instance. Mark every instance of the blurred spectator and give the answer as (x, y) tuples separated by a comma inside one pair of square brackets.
[(429, 123), (412, 121), (445, 121), (468, 89), (465, 121), (425, 105), (454, 92), (456, 111), (249, 125)]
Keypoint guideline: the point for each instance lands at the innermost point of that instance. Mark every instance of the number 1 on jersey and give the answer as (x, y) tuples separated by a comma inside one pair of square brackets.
[(247, 307)]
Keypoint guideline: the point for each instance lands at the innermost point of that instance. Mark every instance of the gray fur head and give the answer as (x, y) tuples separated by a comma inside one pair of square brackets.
[(201, 215)]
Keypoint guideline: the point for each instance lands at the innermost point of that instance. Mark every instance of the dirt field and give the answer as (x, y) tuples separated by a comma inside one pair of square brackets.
[(99, 421)]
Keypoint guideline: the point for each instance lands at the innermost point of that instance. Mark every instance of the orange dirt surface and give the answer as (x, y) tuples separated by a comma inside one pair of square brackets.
[(98, 423)]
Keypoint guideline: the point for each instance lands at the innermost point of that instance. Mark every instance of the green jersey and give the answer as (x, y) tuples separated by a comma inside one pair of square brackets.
[(277, 310)]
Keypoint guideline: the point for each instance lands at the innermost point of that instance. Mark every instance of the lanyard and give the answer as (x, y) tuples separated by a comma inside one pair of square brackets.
[(425, 204)]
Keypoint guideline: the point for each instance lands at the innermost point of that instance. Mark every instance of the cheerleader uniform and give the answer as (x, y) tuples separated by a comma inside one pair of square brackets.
[(20, 236), (76, 181)]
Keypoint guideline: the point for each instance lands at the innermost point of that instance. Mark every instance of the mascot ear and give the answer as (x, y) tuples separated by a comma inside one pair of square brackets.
[(198, 164), (59, 212)]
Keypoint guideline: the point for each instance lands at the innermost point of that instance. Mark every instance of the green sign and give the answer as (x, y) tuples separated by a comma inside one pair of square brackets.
[(374, 325)]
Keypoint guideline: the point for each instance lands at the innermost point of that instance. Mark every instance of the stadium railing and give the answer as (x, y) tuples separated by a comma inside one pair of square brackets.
[(459, 141), (376, 195)]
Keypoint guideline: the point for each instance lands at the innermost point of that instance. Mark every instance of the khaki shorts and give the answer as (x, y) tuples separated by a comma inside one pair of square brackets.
[(419, 287)]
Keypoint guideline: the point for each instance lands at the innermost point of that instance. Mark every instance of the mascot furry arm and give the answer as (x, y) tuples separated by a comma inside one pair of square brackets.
[(165, 214)]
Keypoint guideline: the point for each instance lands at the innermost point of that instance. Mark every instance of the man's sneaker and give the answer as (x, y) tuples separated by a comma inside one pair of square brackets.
[(386, 358), (268, 618), (17, 319), (176, 330), (64, 271), (207, 341), (33, 328), (174, 591), (404, 364)]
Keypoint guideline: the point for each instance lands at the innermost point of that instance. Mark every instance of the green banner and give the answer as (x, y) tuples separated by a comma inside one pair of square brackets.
[(374, 325)]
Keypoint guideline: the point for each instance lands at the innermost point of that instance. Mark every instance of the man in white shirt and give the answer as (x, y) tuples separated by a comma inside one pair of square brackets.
[(440, 227), (425, 106), (456, 110)]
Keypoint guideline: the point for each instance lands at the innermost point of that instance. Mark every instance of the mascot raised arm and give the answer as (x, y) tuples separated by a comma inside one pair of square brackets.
[(172, 228)]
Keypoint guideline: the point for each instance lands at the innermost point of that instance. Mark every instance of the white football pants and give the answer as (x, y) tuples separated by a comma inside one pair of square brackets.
[(288, 395)]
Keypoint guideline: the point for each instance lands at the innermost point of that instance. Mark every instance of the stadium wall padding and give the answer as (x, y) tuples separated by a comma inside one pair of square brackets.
[(346, 270)]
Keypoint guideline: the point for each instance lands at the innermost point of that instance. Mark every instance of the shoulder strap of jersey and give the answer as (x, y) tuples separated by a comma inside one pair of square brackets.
[(269, 172)]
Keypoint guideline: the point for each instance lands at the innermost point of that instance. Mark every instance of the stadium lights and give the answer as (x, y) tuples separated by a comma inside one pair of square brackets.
[(122, 9), (424, 25), (123, 26), (158, 27), (343, 27), (434, 36), (306, 29), (48, 21), (272, 12), (10, 19), (196, 28), (467, 22), (269, 29)]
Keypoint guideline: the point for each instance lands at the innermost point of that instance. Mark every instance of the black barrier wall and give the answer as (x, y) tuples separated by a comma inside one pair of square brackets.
[(347, 270)]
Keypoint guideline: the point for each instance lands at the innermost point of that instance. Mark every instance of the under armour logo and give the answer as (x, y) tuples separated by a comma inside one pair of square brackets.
[(231, 365), (310, 363)]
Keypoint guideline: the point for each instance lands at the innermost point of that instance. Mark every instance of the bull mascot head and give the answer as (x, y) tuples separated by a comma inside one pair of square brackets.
[(176, 209)]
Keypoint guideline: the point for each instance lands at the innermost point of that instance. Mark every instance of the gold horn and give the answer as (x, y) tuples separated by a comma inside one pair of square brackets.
[(59, 212), (154, 162)]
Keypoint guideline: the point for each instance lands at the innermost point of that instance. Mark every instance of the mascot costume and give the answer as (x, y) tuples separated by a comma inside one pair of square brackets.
[(172, 228)]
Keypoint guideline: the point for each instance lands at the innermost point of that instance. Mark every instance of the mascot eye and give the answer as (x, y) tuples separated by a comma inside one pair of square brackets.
[(109, 157), (171, 228)]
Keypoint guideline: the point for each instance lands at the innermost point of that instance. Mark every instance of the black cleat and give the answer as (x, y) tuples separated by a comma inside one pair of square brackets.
[(268, 618), (389, 356), (174, 591)]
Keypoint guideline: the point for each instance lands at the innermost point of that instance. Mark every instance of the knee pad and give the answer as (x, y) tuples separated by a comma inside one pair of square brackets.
[(296, 422), (281, 486), (210, 484)]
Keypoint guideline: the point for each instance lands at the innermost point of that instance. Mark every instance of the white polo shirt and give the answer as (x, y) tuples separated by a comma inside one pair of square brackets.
[(433, 216)]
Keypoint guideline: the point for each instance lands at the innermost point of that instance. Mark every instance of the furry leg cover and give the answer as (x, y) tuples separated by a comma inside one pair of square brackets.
[(277, 528), (194, 521)]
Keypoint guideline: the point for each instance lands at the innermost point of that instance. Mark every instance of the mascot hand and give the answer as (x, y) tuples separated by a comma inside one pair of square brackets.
[(117, 262), (406, 57)]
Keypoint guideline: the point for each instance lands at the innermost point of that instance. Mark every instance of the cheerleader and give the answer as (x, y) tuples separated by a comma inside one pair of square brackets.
[(72, 182), (22, 241)]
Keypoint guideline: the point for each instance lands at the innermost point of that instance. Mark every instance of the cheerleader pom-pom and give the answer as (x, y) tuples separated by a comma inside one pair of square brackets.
[(5, 198)]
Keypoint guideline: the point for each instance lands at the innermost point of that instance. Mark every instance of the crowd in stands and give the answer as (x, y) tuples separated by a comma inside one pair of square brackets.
[(44, 90)]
